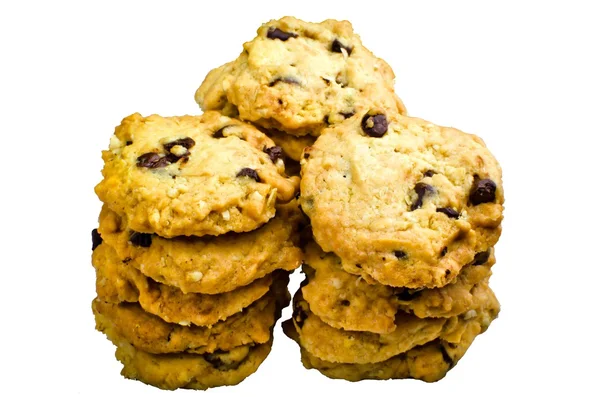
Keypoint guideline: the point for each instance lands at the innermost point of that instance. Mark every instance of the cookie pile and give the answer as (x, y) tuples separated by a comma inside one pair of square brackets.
[(196, 237), (404, 213)]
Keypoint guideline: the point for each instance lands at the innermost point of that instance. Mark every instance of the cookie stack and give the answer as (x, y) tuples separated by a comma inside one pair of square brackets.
[(196, 237), (404, 213)]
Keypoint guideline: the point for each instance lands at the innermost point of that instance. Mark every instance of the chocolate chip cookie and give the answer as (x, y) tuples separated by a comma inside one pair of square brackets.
[(300, 77), (209, 265), (336, 345), (192, 175), (343, 300), (400, 200)]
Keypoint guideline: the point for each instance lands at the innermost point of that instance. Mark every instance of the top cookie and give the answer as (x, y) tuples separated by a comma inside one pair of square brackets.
[(300, 77), (401, 200), (192, 175)]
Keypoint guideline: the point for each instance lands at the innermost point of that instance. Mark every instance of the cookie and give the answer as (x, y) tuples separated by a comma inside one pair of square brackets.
[(208, 265), (149, 333), (429, 362), (336, 345), (192, 175), (190, 371), (347, 301), (300, 77), (292, 146), (401, 201), (117, 282)]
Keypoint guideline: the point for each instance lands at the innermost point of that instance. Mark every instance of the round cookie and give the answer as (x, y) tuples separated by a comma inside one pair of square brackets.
[(192, 175), (336, 345), (190, 371), (118, 281), (347, 301), (209, 265), (429, 363), (151, 334), (300, 77), (401, 201)]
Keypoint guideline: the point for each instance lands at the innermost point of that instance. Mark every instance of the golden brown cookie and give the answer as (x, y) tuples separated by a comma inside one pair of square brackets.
[(336, 345), (193, 175), (400, 200), (347, 301), (118, 281), (300, 77), (208, 265)]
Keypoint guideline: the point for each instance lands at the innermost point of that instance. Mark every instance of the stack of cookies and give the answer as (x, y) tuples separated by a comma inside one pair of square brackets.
[(404, 213), (196, 237)]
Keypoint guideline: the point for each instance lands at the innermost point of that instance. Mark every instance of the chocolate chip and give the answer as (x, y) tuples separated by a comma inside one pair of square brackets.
[(446, 356), (444, 251), (96, 239), (276, 33), (422, 190), (187, 143), (149, 160), (483, 191), (374, 125), (405, 294), (481, 258), (449, 212), (141, 239), (274, 153), (347, 115), (287, 80), (429, 173), (337, 46), (345, 302), (128, 143), (447, 272), (400, 254), (249, 172), (299, 316)]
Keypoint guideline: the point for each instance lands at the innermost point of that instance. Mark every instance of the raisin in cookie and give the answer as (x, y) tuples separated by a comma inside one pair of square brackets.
[(300, 77), (429, 362), (336, 345), (117, 282), (402, 201), (192, 175), (190, 371), (209, 265), (347, 301)]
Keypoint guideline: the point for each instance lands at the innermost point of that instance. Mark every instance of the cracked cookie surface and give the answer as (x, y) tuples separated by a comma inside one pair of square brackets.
[(402, 201), (300, 77), (192, 175)]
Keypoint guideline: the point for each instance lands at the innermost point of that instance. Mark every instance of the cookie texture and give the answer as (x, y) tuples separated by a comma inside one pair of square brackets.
[(429, 362), (402, 201), (118, 282), (292, 146), (208, 265), (300, 77), (346, 301), (192, 175), (340, 346), (190, 371)]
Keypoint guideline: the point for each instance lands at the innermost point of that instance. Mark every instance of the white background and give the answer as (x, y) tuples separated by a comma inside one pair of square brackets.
[(522, 75)]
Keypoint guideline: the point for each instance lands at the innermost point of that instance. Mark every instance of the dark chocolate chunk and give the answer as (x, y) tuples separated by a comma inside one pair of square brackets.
[(374, 125), (405, 294), (288, 80), (187, 143), (422, 190), (337, 46), (481, 258), (274, 153), (429, 173), (149, 160), (400, 254), (141, 239), (96, 239), (449, 212), (483, 191), (276, 33), (249, 172), (345, 302)]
